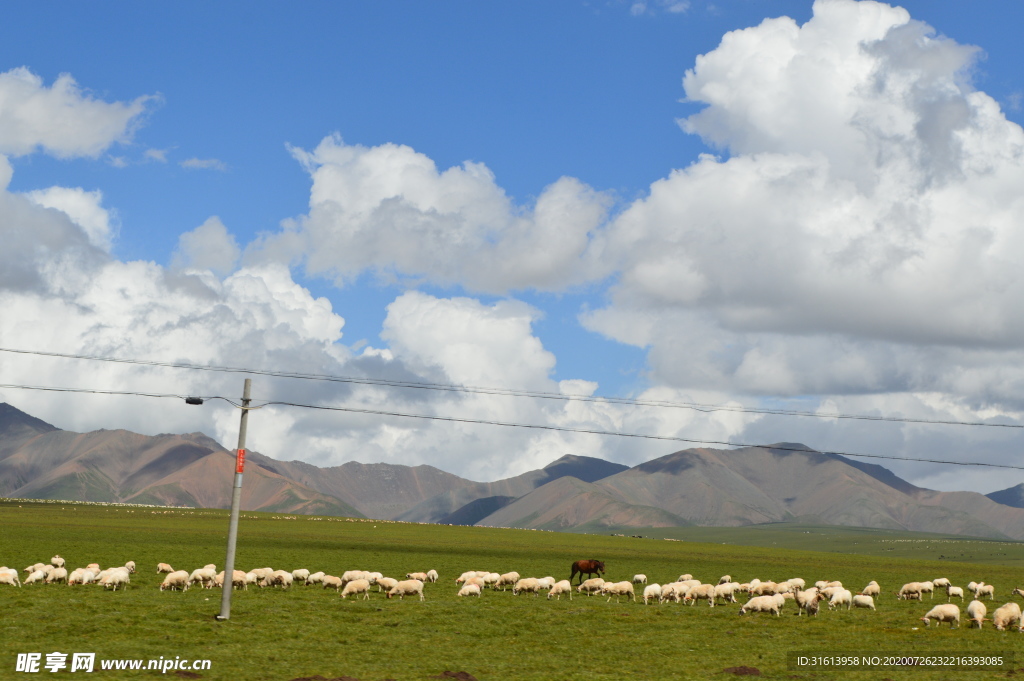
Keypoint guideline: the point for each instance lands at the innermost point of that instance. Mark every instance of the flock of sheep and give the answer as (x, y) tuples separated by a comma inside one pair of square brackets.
[(55, 573), (766, 596)]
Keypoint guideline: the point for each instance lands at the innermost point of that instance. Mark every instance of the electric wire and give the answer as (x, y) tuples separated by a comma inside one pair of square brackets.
[(506, 424), (417, 385)]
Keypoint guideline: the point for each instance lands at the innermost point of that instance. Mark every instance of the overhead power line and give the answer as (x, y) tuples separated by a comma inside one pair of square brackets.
[(508, 392), (506, 424)]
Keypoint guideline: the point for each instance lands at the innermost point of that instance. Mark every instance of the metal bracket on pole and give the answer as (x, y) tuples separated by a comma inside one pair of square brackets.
[(236, 502)]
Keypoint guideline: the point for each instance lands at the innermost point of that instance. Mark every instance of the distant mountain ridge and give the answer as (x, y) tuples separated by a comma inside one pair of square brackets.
[(774, 483)]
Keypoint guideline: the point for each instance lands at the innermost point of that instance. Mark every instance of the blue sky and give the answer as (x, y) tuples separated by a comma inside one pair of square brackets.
[(536, 93)]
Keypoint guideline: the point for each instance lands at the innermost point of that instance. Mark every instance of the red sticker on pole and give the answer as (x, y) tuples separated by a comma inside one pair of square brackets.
[(240, 461)]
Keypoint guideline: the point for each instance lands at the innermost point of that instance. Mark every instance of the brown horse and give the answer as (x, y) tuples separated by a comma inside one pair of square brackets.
[(586, 567)]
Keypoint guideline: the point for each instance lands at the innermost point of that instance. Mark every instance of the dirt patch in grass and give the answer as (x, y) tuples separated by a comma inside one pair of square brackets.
[(743, 671)]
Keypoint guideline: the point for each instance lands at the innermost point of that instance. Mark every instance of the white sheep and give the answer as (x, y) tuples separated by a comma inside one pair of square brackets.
[(492, 578), (928, 588), (57, 575), (952, 591), (841, 597), (726, 591), (178, 579), (37, 576), (945, 612), (863, 601), (164, 567), (872, 589), (940, 583), (1005, 616), (130, 565), (57, 561), (590, 586), (546, 582), (725, 579), (210, 566), (332, 582), (619, 589), (469, 575), (281, 578), (9, 576), (652, 591), (350, 575), (300, 576), (684, 578), (909, 590), (386, 584), (976, 612), (639, 579), (559, 588), (507, 579), (701, 592), (798, 583), (432, 576), (407, 587), (372, 577), (422, 576), (357, 586), (116, 577), (315, 578), (674, 591), (985, 590), (470, 590), (528, 584), (772, 604), (202, 576)]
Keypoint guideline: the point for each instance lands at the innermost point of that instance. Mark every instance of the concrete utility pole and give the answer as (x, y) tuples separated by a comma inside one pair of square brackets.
[(236, 502)]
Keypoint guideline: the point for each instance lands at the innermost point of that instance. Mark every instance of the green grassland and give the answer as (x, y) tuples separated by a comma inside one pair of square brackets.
[(277, 635)]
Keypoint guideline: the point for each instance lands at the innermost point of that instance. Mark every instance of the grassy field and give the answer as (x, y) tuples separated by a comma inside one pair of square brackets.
[(276, 635)]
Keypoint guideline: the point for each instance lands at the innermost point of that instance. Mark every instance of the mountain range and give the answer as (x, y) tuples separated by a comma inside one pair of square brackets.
[(711, 487)]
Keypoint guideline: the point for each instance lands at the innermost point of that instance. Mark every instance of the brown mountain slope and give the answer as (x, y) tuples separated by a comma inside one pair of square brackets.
[(568, 502), (43, 462), (761, 484)]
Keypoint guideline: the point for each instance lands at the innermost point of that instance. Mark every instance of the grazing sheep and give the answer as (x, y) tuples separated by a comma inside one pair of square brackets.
[(251, 578), (928, 588), (946, 612), (763, 589), (407, 587), (685, 578), (470, 590), (772, 604), (57, 561), (909, 590), (507, 579), (300, 575), (652, 591), (985, 590), (130, 565), (469, 575), (1017, 592), (332, 582), (9, 576), (701, 592), (952, 591), (202, 576), (529, 584), (432, 576), (357, 586), (674, 591), (37, 576), (1005, 616), (940, 583), (639, 579), (559, 588), (726, 591), (725, 579), (117, 577), (872, 589), (492, 578), (386, 584), (589, 587), (546, 582), (57, 575), (422, 576), (210, 566), (35, 568), (239, 580), (350, 575), (862, 601), (841, 597), (163, 567), (619, 589), (176, 580), (798, 583), (315, 578), (976, 612), (280, 578)]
